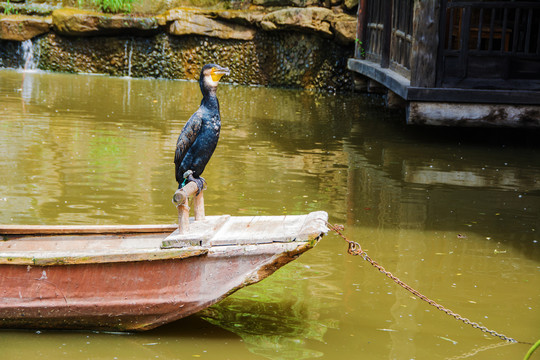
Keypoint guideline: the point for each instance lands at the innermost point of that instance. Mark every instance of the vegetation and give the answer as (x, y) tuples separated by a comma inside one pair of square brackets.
[(110, 6), (360, 47), (8, 8), (531, 350)]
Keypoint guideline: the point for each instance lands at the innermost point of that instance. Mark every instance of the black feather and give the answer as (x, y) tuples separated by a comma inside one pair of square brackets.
[(200, 134)]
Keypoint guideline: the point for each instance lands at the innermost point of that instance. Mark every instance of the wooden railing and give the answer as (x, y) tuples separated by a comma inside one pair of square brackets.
[(496, 43), (387, 33), (402, 28)]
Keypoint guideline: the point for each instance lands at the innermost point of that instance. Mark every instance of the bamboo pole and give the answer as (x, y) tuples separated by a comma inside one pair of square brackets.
[(198, 206), (181, 198)]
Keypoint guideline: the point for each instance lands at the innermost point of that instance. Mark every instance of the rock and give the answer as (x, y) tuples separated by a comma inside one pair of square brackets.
[(350, 4), (297, 3), (239, 16), (311, 19), (344, 27), (76, 22), (21, 28), (268, 25), (196, 22)]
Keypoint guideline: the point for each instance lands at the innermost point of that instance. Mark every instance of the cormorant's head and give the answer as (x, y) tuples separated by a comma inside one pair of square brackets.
[(210, 76)]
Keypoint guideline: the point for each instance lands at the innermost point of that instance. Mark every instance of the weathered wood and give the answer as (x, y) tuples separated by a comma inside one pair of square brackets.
[(425, 43), (401, 86), (198, 207), (359, 50), (390, 79), (394, 101), (517, 97), (100, 257), (463, 58), (473, 115), (246, 230), (185, 192), (402, 36), (84, 229), (200, 232), (183, 217), (488, 44), (181, 198), (387, 33)]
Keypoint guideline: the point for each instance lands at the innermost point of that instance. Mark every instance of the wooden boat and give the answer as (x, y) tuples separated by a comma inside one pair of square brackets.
[(139, 277)]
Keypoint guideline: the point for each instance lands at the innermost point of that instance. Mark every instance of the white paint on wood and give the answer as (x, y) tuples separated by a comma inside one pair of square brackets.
[(68, 245)]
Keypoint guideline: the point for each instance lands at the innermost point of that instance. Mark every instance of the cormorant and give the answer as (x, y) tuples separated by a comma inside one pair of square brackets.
[(200, 135)]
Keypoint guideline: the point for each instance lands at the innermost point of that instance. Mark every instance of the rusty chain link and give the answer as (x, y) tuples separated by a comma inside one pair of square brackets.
[(356, 250)]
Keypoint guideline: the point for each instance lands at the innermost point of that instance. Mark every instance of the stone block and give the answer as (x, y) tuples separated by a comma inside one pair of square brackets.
[(21, 28), (75, 22)]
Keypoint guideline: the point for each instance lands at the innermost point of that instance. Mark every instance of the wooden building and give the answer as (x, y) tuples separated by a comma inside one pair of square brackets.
[(453, 62)]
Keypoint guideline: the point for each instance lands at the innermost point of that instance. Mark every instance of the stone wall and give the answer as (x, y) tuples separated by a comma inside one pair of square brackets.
[(285, 47)]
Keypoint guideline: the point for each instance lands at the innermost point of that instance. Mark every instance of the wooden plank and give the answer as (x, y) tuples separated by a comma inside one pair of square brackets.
[(200, 232), (254, 230), (474, 96), (268, 229), (425, 43), (64, 249), (68, 243), (97, 257), (387, 33), (84, 229)]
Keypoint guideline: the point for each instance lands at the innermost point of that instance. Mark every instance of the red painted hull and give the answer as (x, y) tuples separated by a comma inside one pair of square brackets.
[(124, 290), (123, 296)]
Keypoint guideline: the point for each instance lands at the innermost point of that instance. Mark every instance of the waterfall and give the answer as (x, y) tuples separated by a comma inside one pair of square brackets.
[(129, 54), (30, 56)]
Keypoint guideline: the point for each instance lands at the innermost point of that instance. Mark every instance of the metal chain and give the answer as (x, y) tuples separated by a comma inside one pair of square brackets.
[(356, 250)]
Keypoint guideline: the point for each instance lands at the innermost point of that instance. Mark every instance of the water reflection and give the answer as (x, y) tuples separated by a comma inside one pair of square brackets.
[(454, 213), (278, 323)]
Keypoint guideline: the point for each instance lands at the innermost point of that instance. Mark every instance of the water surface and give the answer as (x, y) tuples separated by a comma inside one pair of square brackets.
[(455, 213)]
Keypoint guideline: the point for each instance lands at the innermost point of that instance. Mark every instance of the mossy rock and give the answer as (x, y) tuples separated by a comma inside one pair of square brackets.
[(76, 22)]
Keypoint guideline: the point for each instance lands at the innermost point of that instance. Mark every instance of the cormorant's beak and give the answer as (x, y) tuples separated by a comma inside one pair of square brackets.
[(218, 71)]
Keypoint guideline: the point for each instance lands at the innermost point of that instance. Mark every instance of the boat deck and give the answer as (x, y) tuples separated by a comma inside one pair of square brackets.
[(50, 245)]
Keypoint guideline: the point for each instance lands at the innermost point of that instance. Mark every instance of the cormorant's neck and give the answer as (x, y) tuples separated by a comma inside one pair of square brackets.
[(210, 99)]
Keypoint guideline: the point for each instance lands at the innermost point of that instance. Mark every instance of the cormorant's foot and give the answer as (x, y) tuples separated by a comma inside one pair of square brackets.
[(199, 181)]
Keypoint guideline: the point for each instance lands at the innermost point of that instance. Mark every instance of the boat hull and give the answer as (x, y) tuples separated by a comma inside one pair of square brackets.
[(130, 293)]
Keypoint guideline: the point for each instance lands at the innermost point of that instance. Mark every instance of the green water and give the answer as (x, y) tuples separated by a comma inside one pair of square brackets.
[(454, 213)]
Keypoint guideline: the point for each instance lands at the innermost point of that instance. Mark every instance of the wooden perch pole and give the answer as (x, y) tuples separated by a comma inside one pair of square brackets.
[(181, 198)]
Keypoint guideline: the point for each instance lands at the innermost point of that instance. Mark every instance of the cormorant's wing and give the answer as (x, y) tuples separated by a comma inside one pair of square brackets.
[(185, 140)]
